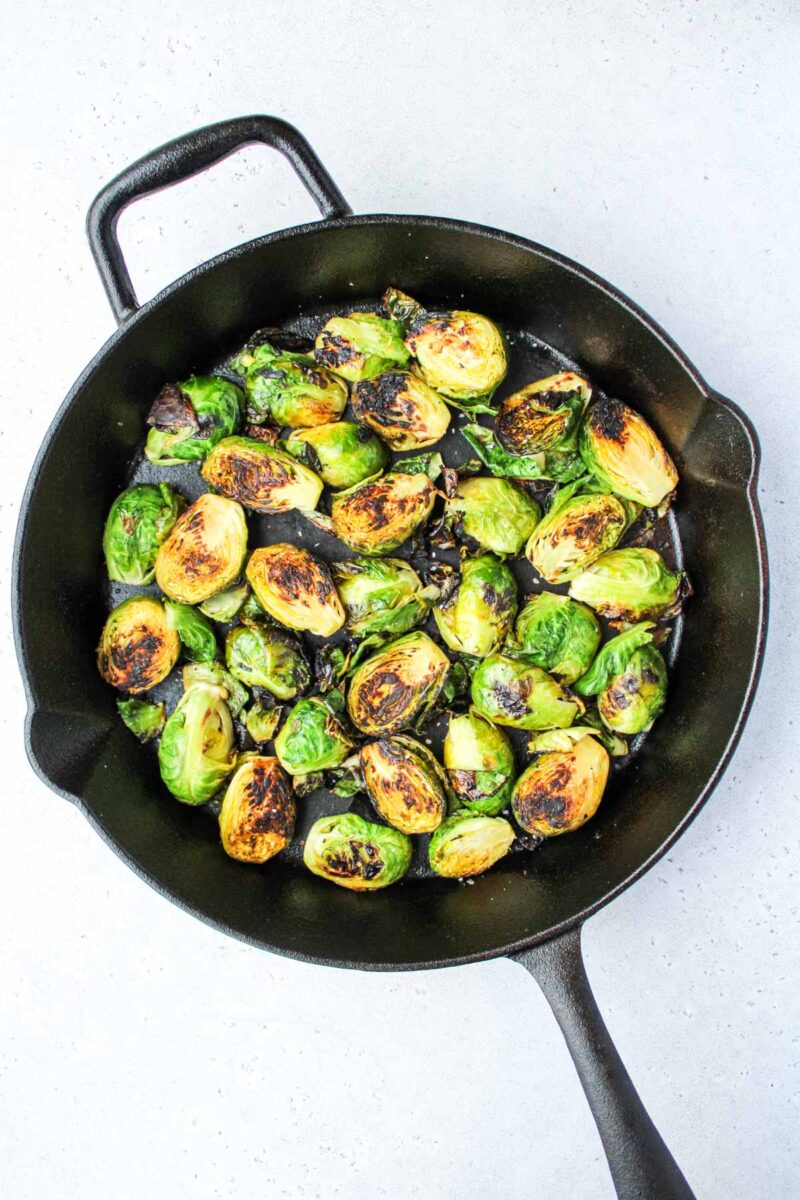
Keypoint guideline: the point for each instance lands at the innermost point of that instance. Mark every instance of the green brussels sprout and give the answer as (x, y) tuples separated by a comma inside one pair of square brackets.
[(205, 551), (613, 658), (138, 522), (236, 694), (477, 617), (494, 512), (194, 630), (402, 409), (342, 453), (469, 844), (395, 686), (479, 760), (225, 605), (634, 698), (353, 853), (197, 751), (382, 595), (292, 389), (142, 717), (138, 646), (627, 585), (261, 723), (295, 588), (542, 415), (562, 789), (561, 465), (378, 515), (261, 477), (405, 783), (621, 449), (275, 340), (258, 811), (267, 658), (558, 634), (313, 737), (576, 531), (513, 692), (188, 419), (565, 739), (360, 346)]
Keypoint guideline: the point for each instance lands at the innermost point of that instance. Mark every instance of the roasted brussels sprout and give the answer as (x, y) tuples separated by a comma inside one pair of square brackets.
[(257, 817), (542, 415), (142, 717), (634, 698), (138, 522), (561, 465), (576, 531), (620, 448), (313, 737), (194, 630), (395, 686), (565, 739), (561, 790), (261, 477), (216, 674), (342, 453), (558, 634), (138, 646), (295, 588), (382, 595), (627, 585), (353, 853), (225, 606), (613, 658), (405, 783), (205, 551), (188, 419), (469, 844), (267, 658), (402, 409), (480, 764), (292, 389), (197, 751), (360, 346), (261, 723), (494, 512), (477, 617), (377, 516), (513, 692)]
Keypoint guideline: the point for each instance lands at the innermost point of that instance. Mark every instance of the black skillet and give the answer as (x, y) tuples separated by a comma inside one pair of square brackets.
[(530, 908)]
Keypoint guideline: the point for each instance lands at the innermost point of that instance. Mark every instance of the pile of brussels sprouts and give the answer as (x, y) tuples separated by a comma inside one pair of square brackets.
[(327, 661)]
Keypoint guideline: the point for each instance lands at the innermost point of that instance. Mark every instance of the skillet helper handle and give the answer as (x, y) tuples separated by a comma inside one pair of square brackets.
[(180, 159), (641, 1165)]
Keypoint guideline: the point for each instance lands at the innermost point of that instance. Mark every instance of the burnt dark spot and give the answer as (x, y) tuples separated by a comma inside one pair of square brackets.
[(172, 410), (336, 351), (511, 699), (266, 433), (297, 577), (608, 421), (280, 339), (134, 664), (385, 401)]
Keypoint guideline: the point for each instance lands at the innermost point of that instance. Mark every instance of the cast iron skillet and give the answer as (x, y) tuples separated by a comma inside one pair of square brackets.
[(78, 746)]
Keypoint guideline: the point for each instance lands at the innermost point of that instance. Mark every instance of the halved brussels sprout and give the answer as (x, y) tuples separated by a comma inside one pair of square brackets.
[(225, 606), (613, 658), (194, 630), (138, 522), (494, 512), (353, 853), (558, 634), (197, 751), (477, 617), (382, 595), (276, 341), (627, 585), (405, 783), (257, 817), (138, 646), (480, 763), (377, 516), (267, 658), (561, 790), (205, 551), (342, 453), (142, 717), (469, 844), (543, 414), (313, 737), (237, 695), (621, 449), (360, 346), (574, 533), (560, 465), (402, 409), (291, 388), (262, 723), (511, 691), (633, 699), (188, 419), (261, 477), (396, 685), (295, 588)]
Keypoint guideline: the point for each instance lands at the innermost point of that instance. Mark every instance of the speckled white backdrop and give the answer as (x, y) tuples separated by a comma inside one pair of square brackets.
[(142, 1054)]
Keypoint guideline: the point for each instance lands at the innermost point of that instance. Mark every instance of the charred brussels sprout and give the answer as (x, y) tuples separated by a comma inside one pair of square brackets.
[(478, 616), (360, 346), (494, 512), (633, 699), (405, 783), (382, 595), (313, 737), (205, 551), (561, 790), (295, 588), (395, 686), (402, 409), (262, 723), (257, 817), (261, 477), (138, 647), (561, 465), (543, 414), (576, 531), (620, 448), (342, 453), (558, 634), (613, 658), (480, 764), (510, 691), (627, 585), (226, 605), (355, 854), (197, 751), (194, 630), (267, 658), (142, 717), (188, 419), (377, 516), (469, 844), (138, 522), (292, 389)]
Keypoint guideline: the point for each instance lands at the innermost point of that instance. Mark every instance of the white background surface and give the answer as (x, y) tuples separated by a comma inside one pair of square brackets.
[(142, 1054)]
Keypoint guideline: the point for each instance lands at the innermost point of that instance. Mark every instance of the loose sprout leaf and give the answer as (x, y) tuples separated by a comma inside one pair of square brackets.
[(262, 723), (144, 718), (550, 465), (613, 658), (195, 631)]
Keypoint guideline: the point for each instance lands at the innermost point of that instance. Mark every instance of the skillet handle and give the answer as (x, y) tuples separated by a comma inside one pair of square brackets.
[(641, 1165), (179, 159)]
